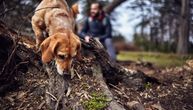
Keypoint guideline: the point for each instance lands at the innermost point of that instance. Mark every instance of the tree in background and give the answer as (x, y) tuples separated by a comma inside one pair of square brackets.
[(167, 20), (183, 41)]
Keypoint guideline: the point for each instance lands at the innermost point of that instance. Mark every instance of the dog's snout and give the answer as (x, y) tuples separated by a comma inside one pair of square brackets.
[(66, 72)]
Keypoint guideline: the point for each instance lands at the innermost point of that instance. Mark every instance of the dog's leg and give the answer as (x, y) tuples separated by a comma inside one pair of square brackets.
[(37, 26)]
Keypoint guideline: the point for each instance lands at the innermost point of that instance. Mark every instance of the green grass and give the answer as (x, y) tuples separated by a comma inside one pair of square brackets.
[(159, 59)]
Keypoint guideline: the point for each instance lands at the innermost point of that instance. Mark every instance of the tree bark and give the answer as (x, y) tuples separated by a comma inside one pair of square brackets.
[(103, 70), (184, 28), (113, 105), (57, 89)]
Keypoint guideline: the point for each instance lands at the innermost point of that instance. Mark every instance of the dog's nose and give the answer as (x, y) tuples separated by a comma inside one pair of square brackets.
[(65, 73)]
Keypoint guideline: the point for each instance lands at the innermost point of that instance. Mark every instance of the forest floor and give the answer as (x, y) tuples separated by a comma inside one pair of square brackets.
[(174, 92)]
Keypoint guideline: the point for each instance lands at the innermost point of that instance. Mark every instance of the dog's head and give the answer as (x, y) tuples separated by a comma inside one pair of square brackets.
[(62, 48)]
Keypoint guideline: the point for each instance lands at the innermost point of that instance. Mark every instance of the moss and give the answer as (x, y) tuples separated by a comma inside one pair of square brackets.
[(148, 85), (97, 102)]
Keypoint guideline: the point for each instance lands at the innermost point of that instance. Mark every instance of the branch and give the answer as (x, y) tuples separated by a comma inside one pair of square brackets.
[(6, 10), (110, 7)]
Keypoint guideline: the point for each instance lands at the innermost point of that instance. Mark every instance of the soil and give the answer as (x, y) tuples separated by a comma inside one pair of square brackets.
[(173, 93)]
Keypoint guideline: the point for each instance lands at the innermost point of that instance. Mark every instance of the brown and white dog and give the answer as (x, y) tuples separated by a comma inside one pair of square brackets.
[(57, 19)]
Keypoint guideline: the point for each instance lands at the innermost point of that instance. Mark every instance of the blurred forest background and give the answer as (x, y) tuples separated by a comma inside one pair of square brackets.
[(164, 26)]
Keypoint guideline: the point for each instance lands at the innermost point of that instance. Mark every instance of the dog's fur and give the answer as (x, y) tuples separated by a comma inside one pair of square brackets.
[(57, 19)]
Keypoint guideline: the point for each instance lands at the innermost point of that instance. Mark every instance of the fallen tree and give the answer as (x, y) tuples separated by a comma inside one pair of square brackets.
[(90, 78)]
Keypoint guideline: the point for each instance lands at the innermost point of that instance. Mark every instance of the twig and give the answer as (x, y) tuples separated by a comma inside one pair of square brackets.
[(4, 6), (68, 91), (115, 87), (58, 101), (18, 66), (55, 99), (41, 105), (78, 74), (124, 94), (6, 10), (9, 59)]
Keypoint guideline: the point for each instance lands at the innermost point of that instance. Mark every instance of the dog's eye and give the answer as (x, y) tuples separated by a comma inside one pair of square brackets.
[(61, 56)]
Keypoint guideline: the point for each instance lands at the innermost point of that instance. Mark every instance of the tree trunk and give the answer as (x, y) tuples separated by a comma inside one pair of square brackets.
[(102, 69), (57, 89), (183, 40)]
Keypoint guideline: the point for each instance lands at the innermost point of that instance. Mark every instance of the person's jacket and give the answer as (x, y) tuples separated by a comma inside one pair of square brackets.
[(100, 28)]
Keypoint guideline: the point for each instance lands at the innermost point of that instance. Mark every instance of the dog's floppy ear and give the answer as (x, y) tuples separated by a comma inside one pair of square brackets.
[(75, 10), (48, 48), (47, 54)]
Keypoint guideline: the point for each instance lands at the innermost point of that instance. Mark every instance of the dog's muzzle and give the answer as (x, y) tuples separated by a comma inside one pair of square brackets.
[(54, 68)]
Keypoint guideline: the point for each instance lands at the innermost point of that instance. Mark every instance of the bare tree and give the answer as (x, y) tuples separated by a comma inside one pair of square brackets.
[(109, 8), (184, 28)]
